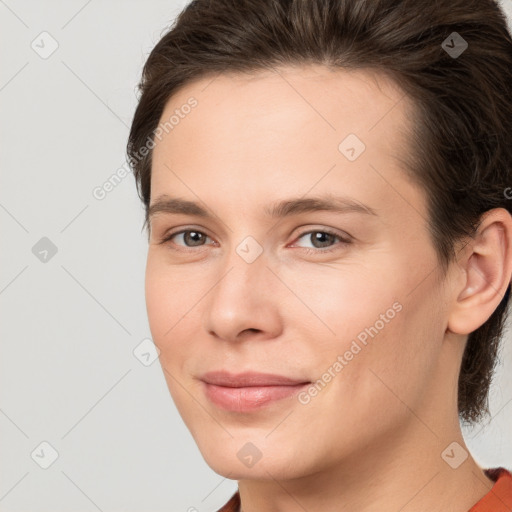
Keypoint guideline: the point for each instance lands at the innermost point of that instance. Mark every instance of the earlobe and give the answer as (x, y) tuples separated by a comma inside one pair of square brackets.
[(488, 267)]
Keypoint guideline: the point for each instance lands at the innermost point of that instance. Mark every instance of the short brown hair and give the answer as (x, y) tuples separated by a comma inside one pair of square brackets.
[(462, 133)]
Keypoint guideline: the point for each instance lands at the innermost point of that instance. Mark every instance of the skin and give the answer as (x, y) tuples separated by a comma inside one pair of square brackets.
[(372, 438)]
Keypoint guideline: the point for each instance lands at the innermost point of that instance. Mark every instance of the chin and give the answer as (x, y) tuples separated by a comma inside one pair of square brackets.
[(241, 459), (262, 470)]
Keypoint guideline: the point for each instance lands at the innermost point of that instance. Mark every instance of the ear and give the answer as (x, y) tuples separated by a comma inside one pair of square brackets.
[(486, 264)]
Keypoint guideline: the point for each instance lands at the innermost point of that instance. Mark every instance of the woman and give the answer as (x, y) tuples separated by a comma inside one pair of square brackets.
[(330, 244)]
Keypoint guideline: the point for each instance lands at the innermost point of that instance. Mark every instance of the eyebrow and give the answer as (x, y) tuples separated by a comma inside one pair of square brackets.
[(281, 209)]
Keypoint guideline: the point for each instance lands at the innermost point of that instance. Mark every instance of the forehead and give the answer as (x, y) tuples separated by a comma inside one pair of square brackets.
[(337, 97), (276, 127)]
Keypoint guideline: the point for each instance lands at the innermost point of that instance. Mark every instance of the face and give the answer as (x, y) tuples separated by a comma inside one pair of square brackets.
[(345, 302)]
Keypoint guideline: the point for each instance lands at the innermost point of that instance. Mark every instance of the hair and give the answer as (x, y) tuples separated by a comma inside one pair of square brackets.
[(460, 135)]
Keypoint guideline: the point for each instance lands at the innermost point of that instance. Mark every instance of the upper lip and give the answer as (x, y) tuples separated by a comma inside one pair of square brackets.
[(249, 379)]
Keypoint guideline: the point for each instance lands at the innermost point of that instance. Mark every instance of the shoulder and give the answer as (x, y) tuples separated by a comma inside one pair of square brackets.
[(499, 498)]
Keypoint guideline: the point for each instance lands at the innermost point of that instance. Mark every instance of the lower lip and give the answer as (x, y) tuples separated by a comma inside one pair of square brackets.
[(249, 398)]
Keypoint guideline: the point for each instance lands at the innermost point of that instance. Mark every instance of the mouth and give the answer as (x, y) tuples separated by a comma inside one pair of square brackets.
[(250, 390)]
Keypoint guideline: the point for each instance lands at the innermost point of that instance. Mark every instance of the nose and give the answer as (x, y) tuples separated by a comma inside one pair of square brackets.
[(244, 300)]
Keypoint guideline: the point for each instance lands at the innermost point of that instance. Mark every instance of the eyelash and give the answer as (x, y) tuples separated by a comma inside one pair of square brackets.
[(308, 250)]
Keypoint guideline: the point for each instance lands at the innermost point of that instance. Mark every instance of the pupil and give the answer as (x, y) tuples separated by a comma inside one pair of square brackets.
[(196, 234), (319, 235)]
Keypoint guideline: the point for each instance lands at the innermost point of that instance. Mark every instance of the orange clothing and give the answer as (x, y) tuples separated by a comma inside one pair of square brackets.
[(498, 499)]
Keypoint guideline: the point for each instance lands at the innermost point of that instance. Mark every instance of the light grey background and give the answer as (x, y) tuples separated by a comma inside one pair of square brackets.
[(70, 325)]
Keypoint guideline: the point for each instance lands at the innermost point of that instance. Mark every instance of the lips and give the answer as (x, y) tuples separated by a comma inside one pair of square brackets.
[(249, 379), (249, 391)]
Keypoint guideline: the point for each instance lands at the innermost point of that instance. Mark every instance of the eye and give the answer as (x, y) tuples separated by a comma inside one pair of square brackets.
[(189, 237), (322, 240)]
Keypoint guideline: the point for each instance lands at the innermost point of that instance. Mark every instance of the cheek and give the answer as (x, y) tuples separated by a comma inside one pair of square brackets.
[(167, 302), (393, 368), (368, 330), (159, 303), (341, 301), (169, 296), (374, 392)]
